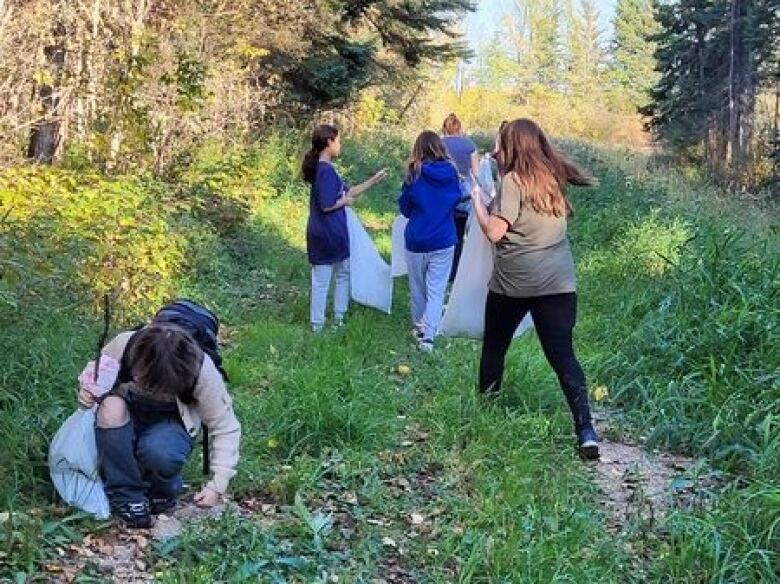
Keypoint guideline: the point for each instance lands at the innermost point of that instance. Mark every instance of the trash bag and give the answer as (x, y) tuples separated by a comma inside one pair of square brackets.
[(485, 178), (398, 256), (370, 278), (464, 315), (73, 464)]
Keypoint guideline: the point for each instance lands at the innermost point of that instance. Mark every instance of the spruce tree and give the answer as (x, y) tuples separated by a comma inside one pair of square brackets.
[(633, 61)]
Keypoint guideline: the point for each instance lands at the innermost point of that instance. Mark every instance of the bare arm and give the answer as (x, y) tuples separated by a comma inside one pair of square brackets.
[(493, 227)]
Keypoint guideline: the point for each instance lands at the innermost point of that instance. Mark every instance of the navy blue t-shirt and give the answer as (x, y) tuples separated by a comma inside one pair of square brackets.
[(327, 239)]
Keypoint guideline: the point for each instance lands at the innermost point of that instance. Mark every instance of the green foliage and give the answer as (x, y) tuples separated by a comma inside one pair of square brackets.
[(366, 470), (633, 65)]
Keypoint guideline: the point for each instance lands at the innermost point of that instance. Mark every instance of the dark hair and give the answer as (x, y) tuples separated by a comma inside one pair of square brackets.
[(451, 126), (428, 146), (540, 171), (164, 359), (320, 138)]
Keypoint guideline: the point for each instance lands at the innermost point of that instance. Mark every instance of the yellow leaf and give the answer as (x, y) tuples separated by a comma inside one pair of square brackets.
[(273, 442), (403, 369), (600, 392)]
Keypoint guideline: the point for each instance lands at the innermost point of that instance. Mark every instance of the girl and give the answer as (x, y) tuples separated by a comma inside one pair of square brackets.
[(327, 240), (533, 266), (146, 427), (463, 152), (429, 195)]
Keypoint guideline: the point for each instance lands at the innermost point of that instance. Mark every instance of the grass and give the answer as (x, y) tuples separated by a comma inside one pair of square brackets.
[(352, 470)]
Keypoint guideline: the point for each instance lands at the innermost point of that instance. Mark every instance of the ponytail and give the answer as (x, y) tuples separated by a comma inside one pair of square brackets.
[(320, 138)]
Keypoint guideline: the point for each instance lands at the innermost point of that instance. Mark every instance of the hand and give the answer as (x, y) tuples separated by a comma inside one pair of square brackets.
[(349, 201), (379, 177), (86, 399), (207, 497)]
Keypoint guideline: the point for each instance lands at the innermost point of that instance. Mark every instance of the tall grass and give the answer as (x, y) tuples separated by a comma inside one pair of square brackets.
[(678, 319)]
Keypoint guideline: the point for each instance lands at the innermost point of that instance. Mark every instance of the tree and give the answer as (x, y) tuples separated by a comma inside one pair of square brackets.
[(633, 61), (713, 59), (584, 54)]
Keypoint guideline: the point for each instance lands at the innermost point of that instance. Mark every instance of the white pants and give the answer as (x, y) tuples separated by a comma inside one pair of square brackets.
[(320, 285), (428, 276)]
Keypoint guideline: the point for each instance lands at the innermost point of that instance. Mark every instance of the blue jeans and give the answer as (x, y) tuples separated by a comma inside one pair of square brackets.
[(143, 459)]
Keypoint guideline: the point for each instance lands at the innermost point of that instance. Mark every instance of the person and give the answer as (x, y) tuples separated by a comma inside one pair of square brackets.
[(145, 428), (533, 265), (327, 238), (429, 195), (465, 155)]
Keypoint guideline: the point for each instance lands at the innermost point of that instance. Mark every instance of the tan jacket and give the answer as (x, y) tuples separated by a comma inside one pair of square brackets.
[(213, 407)]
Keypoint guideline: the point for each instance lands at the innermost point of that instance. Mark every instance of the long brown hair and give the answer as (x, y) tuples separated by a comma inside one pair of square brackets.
[(164, 359), (428, 146), (452, 126), (540, 171), (320, 138)]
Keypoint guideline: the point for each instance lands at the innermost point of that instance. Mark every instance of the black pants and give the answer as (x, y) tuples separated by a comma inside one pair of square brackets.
[(554, 318), (461, 219)]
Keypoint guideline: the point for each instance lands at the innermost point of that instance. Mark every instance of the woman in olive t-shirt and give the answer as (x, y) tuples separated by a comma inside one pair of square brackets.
[(533, 266)]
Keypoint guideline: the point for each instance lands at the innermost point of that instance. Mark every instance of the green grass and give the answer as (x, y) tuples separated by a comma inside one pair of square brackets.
[(350, 469)]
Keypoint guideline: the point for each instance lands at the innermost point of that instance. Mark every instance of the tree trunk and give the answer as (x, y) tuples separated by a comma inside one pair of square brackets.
[(45, 134)]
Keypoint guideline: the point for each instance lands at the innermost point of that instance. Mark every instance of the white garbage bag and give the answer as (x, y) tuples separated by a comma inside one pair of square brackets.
[(485, 178), (398, 256), (73, 464), (370, 278), (465, 312)]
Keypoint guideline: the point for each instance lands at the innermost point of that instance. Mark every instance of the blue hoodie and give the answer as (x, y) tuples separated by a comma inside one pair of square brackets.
[(429, 203)]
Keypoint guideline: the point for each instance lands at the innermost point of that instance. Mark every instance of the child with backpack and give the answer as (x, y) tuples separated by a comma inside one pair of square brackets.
[(429, 196), (169, 382), (327, 237)]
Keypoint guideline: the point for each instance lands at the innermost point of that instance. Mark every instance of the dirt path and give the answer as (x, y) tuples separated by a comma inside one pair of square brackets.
[(641, 487)]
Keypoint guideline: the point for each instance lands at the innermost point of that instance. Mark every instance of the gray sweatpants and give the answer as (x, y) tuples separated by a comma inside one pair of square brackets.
[(428, 276), (320, 285)]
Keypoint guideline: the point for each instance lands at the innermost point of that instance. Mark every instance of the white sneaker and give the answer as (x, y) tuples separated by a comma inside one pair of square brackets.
[(425, 345)]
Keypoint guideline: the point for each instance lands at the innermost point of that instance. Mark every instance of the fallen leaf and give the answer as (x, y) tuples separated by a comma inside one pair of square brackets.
[(417, 519), (600, 392), (389, 541), (403, 369), (273, 442)]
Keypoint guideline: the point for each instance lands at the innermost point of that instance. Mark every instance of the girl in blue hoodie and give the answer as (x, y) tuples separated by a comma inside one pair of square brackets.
[(430, 193)]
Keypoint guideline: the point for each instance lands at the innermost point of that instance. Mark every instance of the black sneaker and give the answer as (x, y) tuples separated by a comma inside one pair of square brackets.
[(588, 443), (161, 505), (134, 515)]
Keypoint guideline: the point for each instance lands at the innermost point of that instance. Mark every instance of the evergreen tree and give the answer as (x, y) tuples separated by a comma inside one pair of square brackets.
[(584, 55), (633, 61), (537, 36)]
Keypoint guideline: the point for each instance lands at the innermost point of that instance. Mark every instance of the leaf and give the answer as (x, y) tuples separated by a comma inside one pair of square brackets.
[(417, 519), (389, 541)]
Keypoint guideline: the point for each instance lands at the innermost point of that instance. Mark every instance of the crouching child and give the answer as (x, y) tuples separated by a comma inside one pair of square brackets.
[(167, 387)]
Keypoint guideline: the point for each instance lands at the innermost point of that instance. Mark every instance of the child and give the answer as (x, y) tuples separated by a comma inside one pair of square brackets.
[(533, 268), (146, 427), (430, 193), (327, 239), (463, 152)]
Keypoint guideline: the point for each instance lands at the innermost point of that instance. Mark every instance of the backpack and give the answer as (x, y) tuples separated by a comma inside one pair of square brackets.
[(203, 326)]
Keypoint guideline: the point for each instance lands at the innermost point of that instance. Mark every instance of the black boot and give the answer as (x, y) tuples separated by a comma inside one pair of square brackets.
[(134, 514)]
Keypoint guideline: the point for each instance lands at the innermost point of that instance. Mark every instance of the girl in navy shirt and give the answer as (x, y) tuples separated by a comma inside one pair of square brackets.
[(327, 239), (429, 196)]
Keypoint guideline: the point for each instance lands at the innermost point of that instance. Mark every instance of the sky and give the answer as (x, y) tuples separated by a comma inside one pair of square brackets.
[(482, 24)]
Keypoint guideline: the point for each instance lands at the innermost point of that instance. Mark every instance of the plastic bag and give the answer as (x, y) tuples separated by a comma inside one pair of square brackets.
[(73, 464), (465, 312), (398, 256), (485, 179), (109, 369), (370, 278)]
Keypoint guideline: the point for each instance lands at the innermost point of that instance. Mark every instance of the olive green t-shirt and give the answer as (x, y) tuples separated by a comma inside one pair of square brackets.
[(533, 258)]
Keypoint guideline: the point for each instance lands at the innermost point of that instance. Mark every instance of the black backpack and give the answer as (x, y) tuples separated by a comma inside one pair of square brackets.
[(203, 325)]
